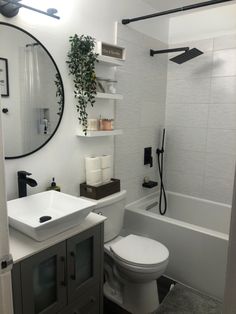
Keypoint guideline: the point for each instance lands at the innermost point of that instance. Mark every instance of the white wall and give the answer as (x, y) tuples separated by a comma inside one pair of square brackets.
[(201, 121), (204, 23), (63, 156), (142, 112)]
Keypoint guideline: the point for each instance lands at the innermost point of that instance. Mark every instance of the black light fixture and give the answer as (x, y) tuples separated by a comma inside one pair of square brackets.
[(10, 8)]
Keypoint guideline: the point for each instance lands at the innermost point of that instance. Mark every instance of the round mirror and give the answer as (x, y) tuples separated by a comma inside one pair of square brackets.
[(32, 94)]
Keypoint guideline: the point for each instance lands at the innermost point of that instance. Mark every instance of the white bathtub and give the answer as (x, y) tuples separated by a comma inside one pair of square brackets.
[(196, 233)]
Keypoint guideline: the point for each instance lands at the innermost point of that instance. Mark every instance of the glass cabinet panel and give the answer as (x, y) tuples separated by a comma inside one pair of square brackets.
[(43, 279), (45, 284), (84, 261)]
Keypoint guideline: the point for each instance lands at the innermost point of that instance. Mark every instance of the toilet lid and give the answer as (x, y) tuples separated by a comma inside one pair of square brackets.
[(139, 250)]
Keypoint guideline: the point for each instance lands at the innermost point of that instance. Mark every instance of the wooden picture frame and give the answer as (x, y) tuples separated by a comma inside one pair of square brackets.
[(4, 81)]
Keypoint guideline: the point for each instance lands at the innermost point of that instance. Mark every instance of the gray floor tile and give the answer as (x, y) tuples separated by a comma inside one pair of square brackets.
[(182, 300)]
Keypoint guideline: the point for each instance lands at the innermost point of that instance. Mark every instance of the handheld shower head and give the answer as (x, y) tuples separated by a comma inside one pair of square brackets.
[(163, 139), (162, 149)]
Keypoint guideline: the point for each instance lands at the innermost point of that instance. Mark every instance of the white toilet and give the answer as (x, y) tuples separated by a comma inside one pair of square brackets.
[(132, 263)]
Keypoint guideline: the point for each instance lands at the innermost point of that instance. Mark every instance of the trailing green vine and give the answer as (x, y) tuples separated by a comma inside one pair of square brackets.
[(59, 93), (81, 63)]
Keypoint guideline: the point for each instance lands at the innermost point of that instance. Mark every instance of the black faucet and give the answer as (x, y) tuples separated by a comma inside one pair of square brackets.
[(23, 180)]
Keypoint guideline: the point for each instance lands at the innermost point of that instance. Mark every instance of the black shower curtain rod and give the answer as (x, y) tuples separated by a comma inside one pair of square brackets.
[(181, 9)]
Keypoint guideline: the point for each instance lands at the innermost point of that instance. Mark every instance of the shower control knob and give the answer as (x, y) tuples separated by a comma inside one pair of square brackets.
[(5, 110)]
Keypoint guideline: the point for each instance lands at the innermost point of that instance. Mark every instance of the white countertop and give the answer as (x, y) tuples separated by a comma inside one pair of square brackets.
[(22, 246)]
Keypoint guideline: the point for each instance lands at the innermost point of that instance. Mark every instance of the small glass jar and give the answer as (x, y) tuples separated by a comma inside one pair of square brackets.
[(111, 87), (92, 125), (106, 85)]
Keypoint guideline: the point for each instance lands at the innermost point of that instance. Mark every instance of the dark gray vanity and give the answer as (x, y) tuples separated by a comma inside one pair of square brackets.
[(66, 277)]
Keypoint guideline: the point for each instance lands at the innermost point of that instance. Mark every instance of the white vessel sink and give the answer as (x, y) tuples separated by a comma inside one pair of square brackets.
[(64, 211)]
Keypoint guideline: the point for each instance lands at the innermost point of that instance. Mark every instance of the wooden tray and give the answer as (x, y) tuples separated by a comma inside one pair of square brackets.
[(98, 192)]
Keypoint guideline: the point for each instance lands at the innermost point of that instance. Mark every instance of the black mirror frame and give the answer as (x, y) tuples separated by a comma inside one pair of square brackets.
[(63, 96)]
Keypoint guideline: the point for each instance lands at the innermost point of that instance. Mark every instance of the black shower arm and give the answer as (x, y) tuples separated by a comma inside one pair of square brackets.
[(154, 52), (181, 9)]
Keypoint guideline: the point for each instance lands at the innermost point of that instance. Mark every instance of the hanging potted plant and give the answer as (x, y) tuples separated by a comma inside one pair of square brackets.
[(81, 63)]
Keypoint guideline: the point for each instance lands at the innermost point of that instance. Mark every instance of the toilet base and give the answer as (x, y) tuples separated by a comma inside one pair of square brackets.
[(134, 297), (112, 294)]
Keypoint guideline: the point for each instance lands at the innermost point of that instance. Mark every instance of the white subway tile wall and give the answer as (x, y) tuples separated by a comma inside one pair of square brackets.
[(201, 121), (141, 114)]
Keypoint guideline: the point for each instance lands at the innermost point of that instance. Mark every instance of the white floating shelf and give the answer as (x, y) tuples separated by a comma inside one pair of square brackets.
[(109, 96), (100, 133), (110, 61)]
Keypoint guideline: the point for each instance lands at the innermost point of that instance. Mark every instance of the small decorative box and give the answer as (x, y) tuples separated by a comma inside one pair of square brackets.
[(109, 50)]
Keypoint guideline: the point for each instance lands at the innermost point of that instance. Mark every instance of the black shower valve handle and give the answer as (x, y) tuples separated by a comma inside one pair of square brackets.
[(5, 110), (148, 159)]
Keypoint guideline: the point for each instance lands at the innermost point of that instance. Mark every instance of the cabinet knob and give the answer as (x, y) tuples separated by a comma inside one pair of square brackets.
[(92, 300)]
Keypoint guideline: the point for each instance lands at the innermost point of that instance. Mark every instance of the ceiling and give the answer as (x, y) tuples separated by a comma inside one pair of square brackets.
[(162, 5)]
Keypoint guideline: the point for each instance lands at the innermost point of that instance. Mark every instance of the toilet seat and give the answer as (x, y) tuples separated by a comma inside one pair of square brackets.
[(139, 253)]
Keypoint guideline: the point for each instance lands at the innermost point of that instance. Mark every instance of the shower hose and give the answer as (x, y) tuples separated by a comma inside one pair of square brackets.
[(160, 161)]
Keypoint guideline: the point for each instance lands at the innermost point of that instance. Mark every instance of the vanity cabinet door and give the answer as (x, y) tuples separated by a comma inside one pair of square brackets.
[(84, 262), (16, 289), (43, 278)]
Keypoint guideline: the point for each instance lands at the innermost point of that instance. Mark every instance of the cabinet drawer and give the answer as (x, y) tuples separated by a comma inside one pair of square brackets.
[(87, 303)]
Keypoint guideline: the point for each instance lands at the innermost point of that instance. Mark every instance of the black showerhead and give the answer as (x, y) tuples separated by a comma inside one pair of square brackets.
[(183, 57), (187, 55)]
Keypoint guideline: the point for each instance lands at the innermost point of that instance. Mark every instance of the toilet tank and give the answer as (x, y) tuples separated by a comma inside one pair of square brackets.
[(113, 208)]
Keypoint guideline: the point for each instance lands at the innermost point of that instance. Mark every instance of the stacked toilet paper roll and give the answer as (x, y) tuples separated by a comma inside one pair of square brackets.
[(106, 165), (98, 169), (93, 171)]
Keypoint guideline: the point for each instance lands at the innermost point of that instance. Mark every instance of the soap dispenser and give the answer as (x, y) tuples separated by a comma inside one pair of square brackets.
[(54, 186)]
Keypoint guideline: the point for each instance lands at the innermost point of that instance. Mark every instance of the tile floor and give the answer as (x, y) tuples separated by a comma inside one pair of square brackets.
[(183, 300), (180, 300)]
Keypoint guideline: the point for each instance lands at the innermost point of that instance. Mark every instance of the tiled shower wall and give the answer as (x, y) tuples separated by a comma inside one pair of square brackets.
[(141, 114), (201, 121)]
